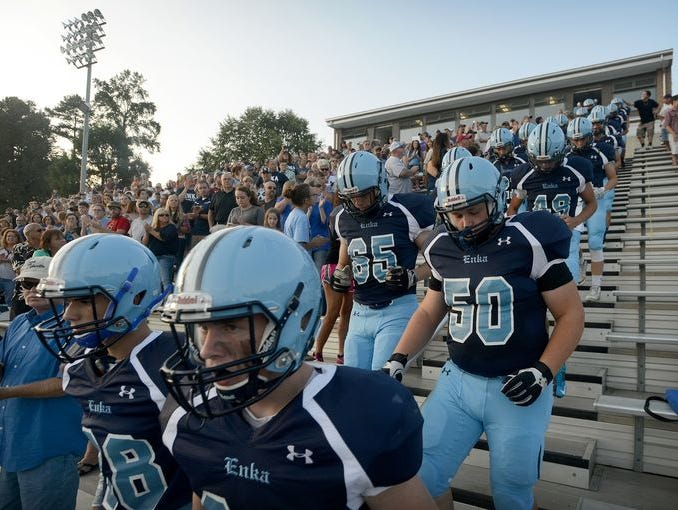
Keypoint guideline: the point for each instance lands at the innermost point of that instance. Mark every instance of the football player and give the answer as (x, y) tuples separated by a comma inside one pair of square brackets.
[(251, 423), (110, 284), (501, 143), (600, 139), (380, 238), (496, 277), (523, 134), (551, 183), (604, 179)]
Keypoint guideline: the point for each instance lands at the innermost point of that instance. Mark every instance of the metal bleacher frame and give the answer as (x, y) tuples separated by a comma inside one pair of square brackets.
[(645, 178)]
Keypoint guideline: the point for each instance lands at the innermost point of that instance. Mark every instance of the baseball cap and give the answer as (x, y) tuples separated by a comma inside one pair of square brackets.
[(113, 204), (35, 268), (395, 145)]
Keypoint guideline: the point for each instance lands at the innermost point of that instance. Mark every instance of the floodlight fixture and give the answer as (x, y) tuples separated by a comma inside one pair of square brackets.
[(83, 37)]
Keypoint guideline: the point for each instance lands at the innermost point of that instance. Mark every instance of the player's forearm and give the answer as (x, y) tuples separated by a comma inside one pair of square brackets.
[(45, 388), (564, 339), (423, 271), (418, 333), (587, 211)]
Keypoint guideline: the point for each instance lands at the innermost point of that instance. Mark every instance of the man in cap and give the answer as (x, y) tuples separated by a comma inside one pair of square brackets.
[(118, 224), (42, 438), (396, 169)]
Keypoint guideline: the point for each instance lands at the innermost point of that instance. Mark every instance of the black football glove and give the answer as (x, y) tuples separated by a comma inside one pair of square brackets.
[(524, 386), (395, 366), (341, 279), (399, 278)]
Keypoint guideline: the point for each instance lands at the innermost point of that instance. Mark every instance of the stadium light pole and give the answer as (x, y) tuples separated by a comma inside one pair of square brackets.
[(83, 36)]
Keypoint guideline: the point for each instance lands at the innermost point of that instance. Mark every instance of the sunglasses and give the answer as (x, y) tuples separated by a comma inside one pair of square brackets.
[(28, 285), (163, 214)]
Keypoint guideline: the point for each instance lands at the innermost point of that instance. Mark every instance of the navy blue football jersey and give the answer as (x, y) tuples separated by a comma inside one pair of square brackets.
[(350, 433), (385, 241), (121, 417), (497, 319), (520, 152), (615, 123), (506, 165), (556, 191), (609, 140), (599, 155)]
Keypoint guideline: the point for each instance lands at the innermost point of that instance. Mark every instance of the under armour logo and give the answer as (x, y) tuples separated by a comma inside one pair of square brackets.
[(390, 213), (446, 371), (124, 392), (294, 455), (566, 178), (504, 241)]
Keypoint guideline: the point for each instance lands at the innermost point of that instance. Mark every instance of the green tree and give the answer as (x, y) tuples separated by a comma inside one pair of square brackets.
[(67, 120), (124, 115), (256, 135), (63, 174), (25, 146)]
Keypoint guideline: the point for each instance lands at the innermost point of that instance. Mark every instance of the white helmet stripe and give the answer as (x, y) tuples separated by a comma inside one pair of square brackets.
[(348, 180), (543, 138)]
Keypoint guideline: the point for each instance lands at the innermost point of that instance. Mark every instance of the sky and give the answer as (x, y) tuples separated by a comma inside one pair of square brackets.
[(206, 59)]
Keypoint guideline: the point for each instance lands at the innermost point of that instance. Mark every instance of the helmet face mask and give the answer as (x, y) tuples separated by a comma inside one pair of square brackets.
[(275, 315), (239, 383), (113, 282), (351, 199)]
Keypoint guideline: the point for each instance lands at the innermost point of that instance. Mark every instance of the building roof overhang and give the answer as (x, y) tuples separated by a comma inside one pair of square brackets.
[(573, 78)]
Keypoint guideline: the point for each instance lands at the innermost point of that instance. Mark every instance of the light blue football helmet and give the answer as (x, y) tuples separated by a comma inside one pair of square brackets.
[(467, 182), (618, 101), (581, 112), (589, 103), (453, 155), (116, 266), (602, 109), (229, 275), (359, 173), (580, 128), (501, 137), (561, 119), (525, 130), (598, 115), (612, 109), (546, 146)]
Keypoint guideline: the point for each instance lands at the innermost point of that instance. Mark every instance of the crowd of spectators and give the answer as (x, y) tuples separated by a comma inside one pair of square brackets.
[(172, 218)]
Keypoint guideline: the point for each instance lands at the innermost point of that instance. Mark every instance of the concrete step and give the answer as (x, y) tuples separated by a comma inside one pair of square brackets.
[(566, 461)]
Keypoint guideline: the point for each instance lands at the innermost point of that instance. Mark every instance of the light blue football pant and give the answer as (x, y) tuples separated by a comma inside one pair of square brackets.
[(463, 406), (572, 260), (596, 226), (373, 334)]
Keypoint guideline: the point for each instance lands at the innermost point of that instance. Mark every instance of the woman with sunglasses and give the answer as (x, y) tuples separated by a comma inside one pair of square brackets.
[(161, 237)]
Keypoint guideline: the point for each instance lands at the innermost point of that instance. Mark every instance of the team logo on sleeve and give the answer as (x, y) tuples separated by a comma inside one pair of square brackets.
[(292, 455)]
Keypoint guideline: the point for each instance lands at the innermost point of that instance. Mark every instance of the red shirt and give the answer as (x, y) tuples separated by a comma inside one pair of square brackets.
[(119, 223)]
